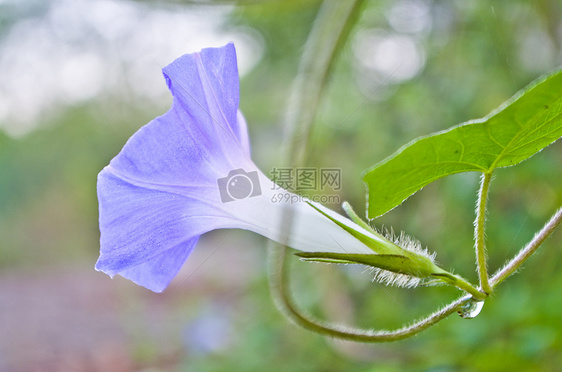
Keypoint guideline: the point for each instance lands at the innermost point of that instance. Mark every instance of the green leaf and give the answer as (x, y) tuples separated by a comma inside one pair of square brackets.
[(521, 127)]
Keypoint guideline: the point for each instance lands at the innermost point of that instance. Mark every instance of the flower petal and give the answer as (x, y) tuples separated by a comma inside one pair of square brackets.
[(186, 146), (188, 172), (242, 133), (156, 273), (205, 85), (141, 225), (160, 193)]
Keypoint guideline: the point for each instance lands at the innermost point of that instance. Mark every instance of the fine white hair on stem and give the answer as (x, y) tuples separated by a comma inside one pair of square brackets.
[(393, 279), (407, 243)]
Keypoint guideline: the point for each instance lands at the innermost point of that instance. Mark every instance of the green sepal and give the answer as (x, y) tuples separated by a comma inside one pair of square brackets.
[(381, 245), (388, 256), (355, 218), (399, 260), (419, 267), (395, 263)]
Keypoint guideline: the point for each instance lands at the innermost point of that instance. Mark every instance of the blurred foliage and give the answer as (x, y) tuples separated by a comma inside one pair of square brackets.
[(475, 56)]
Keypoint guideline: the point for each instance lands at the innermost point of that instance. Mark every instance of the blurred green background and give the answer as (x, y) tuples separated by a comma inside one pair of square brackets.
[(77, 78)]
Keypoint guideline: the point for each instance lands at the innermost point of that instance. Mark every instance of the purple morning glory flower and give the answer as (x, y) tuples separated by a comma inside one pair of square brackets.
[(189, 171)]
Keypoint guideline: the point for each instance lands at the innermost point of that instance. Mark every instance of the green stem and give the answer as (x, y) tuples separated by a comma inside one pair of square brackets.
[(528, 250), (329, 32), (479, 232), (466, 286), (279, 282), (462, 284)]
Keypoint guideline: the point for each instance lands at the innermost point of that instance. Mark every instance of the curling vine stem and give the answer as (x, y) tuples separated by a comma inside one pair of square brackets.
[(329, 31)]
